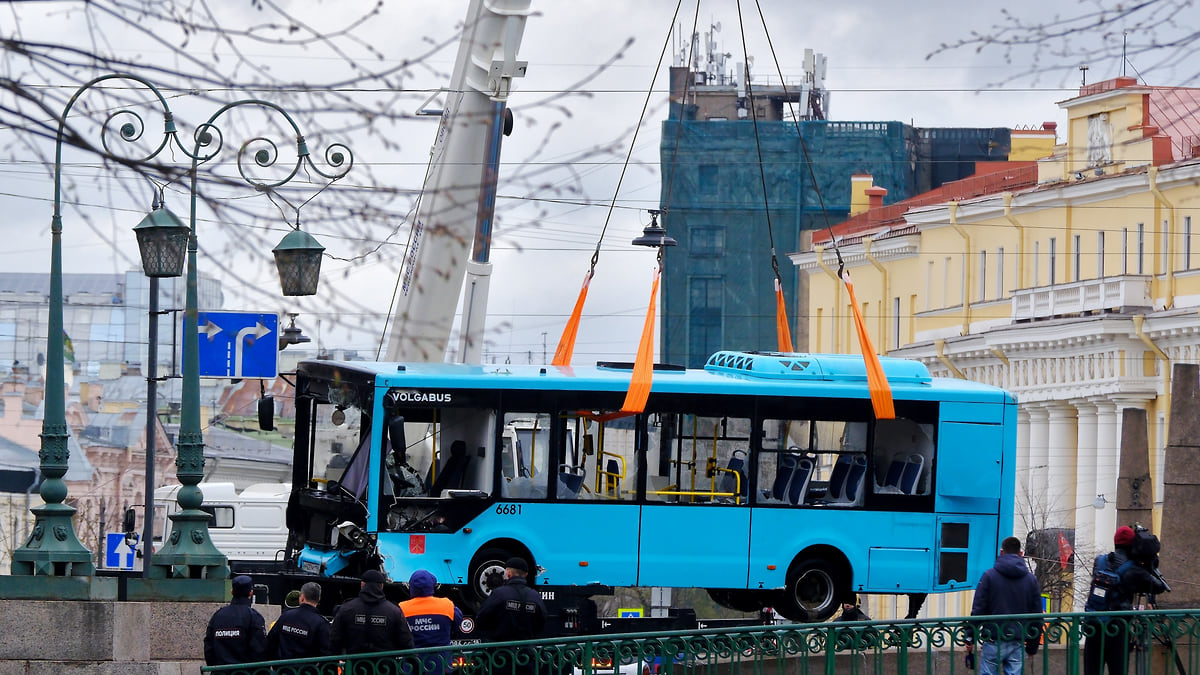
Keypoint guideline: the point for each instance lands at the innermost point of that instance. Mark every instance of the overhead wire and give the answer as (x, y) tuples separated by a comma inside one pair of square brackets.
[(566, 344)]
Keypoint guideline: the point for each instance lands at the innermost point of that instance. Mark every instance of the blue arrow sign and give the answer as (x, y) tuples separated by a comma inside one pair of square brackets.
[(238, 344), (118, 555)]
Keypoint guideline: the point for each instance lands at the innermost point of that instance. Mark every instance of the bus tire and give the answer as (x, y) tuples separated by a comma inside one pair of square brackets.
[(812, 591), (485, 563)]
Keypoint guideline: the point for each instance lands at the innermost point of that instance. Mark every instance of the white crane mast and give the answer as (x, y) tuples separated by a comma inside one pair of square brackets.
[(452, 227)]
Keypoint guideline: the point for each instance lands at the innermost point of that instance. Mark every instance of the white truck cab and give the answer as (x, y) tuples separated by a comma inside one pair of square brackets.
[(247, 526)]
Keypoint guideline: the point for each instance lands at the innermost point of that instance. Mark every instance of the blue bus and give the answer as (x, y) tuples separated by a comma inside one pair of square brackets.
[(763, 477)]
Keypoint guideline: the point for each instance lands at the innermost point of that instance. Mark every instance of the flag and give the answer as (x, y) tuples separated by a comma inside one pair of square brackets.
[(1065, 551), (68, 347)]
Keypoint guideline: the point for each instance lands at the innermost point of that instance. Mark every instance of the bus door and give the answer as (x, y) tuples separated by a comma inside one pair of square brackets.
[(695, 521)]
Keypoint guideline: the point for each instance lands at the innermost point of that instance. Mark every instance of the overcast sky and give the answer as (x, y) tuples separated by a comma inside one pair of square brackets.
[(878, 70)]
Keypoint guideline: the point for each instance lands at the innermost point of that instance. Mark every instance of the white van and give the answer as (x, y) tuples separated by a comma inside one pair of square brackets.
[(249, 526)]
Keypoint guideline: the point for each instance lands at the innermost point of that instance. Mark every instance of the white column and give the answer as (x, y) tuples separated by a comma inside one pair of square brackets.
[(1039, 458), (1085, 484), (1108, 447), (1085, 472), (1022, 469), (1060, 479)]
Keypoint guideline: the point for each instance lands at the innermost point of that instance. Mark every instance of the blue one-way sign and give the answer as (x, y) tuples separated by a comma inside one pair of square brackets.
[(118, 555), (238, 344)]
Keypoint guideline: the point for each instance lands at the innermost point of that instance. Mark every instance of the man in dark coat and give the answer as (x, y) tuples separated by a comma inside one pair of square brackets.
[(302, 632), (514, 611), (370, 623), (1008, 588), (237, 632)]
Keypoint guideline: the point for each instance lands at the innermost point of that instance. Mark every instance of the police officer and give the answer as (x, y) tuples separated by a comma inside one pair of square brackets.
[(430, 618), (514, 611), (369, 623), (237, 632), (302, 632)]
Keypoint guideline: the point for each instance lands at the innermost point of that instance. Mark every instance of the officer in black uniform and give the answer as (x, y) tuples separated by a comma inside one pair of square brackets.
[(237, 632), (370, 623), (514, 611), (302, 632)]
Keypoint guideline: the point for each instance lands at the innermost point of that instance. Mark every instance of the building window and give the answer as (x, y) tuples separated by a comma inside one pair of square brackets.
[(1141, 248), (709, 178), (1187, 242), (1100, 254), (1037, 264), (896, 322), (1077, 256), (1000, 273), (1124, 250), (1053, 260), (929, 286), (817, 329), (704, 318), (706, 241), (982, 275)]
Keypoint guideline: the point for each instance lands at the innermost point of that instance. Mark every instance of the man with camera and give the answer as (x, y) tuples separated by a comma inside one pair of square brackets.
[(1117, 579)]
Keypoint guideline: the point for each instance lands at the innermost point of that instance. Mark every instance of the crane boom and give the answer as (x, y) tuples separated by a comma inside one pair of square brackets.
[(452, 228)]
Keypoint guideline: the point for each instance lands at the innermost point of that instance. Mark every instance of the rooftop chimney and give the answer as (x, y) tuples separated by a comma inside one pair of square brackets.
[(875, 197)]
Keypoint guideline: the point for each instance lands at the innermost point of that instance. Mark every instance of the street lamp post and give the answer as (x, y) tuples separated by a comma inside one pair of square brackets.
[(52, 548), (189, 552)]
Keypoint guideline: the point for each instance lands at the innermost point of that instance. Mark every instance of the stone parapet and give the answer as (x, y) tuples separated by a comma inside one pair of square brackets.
[(94, 637)]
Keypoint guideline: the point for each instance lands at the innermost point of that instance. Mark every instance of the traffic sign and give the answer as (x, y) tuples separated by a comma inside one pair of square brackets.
[(238, 344), (118, 555)]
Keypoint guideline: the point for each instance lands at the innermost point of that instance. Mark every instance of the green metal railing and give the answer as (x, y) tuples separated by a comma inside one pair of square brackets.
[(1165, 642)]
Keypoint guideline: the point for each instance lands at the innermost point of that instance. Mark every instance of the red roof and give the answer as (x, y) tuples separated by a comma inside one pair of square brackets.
[(1176, 113), (990, 178)]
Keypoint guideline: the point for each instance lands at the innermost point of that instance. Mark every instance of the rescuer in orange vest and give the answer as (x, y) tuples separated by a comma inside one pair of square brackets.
[(430, 619)]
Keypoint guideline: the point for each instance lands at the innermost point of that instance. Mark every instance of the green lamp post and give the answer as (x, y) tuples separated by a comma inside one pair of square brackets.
[(52, 548), (189, 552)]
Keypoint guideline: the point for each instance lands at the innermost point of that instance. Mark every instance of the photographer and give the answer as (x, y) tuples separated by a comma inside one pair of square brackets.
[(1116, 579)]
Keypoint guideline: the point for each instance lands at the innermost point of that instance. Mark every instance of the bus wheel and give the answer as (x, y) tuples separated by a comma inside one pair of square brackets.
[(812, 590), (487, 564)]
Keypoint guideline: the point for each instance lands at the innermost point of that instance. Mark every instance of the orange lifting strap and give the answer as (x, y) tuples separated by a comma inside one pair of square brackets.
[(781, 322), (643, 366), (877, 384), (566, 344)]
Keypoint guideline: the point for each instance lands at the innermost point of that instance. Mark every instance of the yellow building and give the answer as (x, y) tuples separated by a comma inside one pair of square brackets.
[(1072, 281)]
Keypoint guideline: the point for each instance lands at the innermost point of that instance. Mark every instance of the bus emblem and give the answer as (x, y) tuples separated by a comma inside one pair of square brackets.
[(416, 544)]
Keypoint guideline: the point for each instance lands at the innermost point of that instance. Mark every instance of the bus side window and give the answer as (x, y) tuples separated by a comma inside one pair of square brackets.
[(785, 464), (903, 456), (597, 459), (526, 447)]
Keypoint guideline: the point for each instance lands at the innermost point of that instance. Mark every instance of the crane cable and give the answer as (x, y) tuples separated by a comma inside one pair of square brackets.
[(877, 384), (566, 344)]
